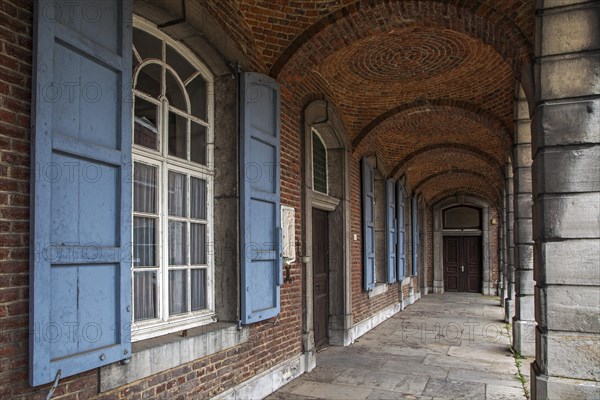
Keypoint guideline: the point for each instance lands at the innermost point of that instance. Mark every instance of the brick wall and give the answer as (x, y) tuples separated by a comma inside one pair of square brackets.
[(15, 93)]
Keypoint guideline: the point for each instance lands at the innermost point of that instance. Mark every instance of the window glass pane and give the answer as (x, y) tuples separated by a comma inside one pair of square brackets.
[(175, 93), (197, 198), (319, 164), (198, 143), (148, 80), (147, 45), (179, 63), (177, 194), (145, 130), (177, 136), (177, 243), (198, 244), (144, 298), (144, 188), (144, 242), (462, 218), (198, 97), (177, 292), (198, 289)]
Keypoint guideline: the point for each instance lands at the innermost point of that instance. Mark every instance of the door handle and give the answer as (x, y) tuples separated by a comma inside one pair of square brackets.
[(462, 268)]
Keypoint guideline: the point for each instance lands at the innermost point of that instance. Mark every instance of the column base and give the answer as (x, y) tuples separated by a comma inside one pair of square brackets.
[(524, 337), (544, 387), (509, 310), (487, 289)]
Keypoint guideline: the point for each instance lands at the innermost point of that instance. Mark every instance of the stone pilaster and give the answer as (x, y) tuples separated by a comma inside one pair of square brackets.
[(503, 252), (509, 304), (524, 320), (566, 193)]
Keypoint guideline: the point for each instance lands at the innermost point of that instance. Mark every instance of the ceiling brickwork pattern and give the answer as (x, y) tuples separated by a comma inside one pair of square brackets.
[(426, 85)]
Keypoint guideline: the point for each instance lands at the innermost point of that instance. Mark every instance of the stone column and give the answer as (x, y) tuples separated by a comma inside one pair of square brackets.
[(509, 306), (503, 251), (524, 321), (566, 193)]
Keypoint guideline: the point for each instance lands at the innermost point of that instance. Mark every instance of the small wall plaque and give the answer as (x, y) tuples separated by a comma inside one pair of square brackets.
[(288, 228)]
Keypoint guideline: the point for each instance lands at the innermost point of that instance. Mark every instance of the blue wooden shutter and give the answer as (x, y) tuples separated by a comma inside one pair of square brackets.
[(261, 268), (391, 229), (80, 281), (401, 252), (415, 234), (368, 224)]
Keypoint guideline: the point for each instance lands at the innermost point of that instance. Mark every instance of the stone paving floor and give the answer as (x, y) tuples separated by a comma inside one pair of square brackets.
[(450, 346)]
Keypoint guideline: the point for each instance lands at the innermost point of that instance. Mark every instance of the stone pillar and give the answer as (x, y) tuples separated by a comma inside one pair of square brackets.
[(509, 305), (566, 193), (524, 321), (503, 252)]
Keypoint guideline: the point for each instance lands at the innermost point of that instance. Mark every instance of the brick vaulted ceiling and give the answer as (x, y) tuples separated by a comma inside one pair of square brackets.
[(428, 86)]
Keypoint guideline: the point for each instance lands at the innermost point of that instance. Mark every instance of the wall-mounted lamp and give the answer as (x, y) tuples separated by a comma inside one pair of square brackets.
[(494, 221)]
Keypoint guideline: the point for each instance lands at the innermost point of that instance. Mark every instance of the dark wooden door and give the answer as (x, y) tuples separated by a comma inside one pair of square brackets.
[(320, 276), (462, 264)]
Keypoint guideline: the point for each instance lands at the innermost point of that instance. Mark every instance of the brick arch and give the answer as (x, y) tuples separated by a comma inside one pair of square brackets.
[(454, 182), (436, 175), (463, 109), (464, 191), (359, 20), (473, 151)]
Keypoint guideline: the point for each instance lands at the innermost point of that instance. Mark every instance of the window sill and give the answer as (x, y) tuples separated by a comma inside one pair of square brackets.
[(144, 331), (159, 354), (379, 288)]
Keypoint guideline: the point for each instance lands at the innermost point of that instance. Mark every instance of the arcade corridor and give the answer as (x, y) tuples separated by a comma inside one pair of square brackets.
[(199, 196)]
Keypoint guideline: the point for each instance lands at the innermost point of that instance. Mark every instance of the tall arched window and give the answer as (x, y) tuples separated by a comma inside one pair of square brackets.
[(172, 186), (319, 163)]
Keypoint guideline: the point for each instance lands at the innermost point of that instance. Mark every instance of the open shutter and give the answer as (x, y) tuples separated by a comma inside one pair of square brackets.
[(80, 278), (368, 223), (401, 252), (391, 229), (261, 268), (415, 235)]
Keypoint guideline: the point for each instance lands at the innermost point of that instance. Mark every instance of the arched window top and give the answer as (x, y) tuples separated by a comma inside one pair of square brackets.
[(172, 96), (319, 163), (162, 68), (462, 217)]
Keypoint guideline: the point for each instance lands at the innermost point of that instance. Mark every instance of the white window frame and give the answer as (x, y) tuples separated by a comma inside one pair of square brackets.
[(312, 161), (164, 163)]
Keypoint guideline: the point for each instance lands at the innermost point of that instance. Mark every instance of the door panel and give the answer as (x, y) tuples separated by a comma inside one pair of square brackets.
[(462, 264), (472, 262), (320, 276), (452, 264)]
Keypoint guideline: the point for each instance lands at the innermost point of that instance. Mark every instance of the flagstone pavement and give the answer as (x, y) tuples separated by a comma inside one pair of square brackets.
[(449, 346)]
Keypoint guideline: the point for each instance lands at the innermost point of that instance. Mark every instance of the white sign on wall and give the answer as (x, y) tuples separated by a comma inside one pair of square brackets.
[(288, 233)]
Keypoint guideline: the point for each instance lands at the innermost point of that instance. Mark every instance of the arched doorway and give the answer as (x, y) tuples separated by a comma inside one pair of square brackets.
[(461, 246), (462, 249), (326, 223)]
